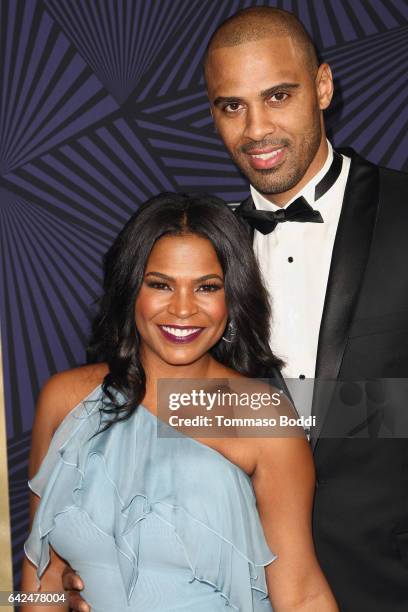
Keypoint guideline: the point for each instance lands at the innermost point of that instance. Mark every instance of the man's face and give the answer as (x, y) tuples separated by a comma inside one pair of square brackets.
[(267, 105)]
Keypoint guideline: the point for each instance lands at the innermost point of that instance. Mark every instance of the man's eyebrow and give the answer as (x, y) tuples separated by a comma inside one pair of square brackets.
[(275, 88), (264, 94), (227, 100)]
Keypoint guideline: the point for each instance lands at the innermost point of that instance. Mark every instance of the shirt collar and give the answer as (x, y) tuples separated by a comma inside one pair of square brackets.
[(307, 192)]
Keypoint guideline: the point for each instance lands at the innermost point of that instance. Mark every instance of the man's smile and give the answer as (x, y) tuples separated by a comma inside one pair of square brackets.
[(264, 159)]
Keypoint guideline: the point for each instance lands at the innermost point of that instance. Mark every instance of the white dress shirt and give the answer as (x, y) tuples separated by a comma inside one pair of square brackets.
[(295, 261)]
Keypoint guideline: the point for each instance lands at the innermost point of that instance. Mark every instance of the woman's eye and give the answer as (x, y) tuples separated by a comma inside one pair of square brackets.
[(209, 288), (157, 285)]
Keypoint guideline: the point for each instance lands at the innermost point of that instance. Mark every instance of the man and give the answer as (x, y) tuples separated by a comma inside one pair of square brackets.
[(329, 231)]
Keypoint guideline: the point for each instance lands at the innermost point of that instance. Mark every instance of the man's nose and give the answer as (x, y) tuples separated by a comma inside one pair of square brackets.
[(259, 123), (183, 303)]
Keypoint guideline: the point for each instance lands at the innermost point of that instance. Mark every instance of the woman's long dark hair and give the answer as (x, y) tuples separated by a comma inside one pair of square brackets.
[(115, 338)]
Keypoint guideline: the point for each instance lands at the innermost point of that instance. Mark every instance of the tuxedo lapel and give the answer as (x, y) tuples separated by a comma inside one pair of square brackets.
[(349, 260)]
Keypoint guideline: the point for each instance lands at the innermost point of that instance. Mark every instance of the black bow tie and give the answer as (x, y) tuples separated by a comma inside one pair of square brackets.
[(265, 221)]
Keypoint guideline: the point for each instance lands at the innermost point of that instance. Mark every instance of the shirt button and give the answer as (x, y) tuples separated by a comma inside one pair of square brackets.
[(290, 259)]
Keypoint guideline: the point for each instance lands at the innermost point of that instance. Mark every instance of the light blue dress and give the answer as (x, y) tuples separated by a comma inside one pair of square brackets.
[(151, 523)]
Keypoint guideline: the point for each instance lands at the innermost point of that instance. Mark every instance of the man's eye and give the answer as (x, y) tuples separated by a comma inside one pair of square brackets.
[(209, 288), (232, 107), (279, 96)]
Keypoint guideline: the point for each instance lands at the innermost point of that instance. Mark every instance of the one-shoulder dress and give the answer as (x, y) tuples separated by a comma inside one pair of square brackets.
[(151, 523)]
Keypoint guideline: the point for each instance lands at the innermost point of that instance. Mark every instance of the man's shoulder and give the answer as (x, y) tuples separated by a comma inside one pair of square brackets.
[(393, 188), (392, 184), (395, 177), (385, 174)]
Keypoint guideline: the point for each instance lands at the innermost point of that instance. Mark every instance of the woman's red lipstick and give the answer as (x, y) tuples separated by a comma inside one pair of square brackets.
[(180, 334)]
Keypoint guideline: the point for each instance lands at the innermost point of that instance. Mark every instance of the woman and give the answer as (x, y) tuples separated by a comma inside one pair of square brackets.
[(169, 524)]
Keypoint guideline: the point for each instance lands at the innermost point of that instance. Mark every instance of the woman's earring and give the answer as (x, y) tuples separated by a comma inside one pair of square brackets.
[(231, 333)]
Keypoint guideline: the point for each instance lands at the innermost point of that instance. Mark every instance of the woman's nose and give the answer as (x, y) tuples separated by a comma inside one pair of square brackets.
[(183, 303)]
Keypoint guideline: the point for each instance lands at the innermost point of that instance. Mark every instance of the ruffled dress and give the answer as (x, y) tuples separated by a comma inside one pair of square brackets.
[(151, 523)]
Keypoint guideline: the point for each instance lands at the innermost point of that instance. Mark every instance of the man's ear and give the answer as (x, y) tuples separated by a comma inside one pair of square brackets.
[(324, 86)]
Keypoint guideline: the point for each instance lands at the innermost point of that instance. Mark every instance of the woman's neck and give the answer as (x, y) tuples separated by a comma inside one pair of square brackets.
[(156, 369)]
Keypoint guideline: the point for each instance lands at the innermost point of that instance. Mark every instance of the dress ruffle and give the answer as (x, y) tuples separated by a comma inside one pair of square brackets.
[(220, 546)]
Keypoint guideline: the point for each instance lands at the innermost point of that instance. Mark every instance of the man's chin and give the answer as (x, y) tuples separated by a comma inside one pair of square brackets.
[(270, 183), (266, 188), (265, 181)]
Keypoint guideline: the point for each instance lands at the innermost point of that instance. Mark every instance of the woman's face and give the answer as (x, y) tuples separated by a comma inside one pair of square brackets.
[(180, 311)]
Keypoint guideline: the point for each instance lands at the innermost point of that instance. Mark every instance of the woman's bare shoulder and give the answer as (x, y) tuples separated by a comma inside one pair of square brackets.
[(60, 394), (63, 391)]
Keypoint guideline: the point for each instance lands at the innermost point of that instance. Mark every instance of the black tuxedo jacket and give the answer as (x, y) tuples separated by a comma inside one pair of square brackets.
[(360, 516)]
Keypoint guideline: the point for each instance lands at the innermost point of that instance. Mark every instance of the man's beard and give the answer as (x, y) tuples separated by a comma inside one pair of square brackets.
[(281, 179)]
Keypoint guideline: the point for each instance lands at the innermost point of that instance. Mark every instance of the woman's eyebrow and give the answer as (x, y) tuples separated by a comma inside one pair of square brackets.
[(160, 274), (208, 276), (197, 280)]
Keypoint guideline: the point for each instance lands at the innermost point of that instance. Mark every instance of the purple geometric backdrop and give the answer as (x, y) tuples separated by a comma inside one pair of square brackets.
[(102, 106)]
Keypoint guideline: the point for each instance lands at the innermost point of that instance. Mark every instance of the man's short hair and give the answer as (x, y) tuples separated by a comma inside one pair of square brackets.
[(259, 22)]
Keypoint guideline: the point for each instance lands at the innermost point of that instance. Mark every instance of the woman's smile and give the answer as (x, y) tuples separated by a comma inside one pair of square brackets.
[(180, 334)]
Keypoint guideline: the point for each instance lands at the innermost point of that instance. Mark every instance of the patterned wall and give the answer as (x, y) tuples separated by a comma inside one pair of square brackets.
[(103, 105)]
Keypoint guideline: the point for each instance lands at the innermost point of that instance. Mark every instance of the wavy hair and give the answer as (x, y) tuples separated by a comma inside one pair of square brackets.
[(115, 338)]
